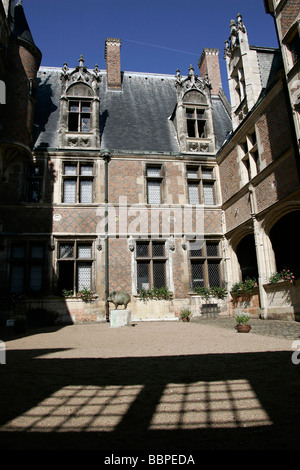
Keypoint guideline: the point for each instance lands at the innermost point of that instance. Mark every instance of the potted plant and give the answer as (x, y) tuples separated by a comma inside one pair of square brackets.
[(185, 314), (242, 325)]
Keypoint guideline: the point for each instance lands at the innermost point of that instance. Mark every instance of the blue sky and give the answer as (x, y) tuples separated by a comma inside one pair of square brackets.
[(158, 36)]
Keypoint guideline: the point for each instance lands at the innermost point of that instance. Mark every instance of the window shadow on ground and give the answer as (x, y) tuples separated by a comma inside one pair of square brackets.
[(179, 403)]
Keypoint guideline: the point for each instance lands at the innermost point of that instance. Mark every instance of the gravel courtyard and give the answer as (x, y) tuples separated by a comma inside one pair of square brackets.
[(152, 386)]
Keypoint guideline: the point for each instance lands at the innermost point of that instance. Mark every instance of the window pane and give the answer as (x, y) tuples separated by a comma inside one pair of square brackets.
[(74, 106), (86, 170), (154, 195), (201, 129), (66, 250), (213, 274), (84, 251), (34, 190), (143, 275), (197, 274), (86, 191), (196, 250), (85, 107), (70, 191), (208, 194), (35, 170), (158, 249), (84, 276), (191, 128), (70, 170), (193, 193), (85, 123), (36, 278), (154, 171), (207, 173), (73, 122), (18, 251), (37, 252), (192, 173), (212, 249), (17, 279), (159, 279), (190, 113), (142, 249)]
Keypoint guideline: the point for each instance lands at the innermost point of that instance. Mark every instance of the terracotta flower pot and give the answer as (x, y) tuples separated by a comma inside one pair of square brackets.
[(185, 319), (243, 328)]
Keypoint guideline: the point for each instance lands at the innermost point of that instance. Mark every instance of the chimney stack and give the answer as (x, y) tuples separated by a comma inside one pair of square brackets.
[(209, 64), (113, 63)]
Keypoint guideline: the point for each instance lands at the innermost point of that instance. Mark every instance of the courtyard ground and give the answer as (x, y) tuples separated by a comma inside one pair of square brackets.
[(153, 386)]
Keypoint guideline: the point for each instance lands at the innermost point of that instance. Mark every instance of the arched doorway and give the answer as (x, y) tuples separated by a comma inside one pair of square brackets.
[(246, 254), (284, 237)]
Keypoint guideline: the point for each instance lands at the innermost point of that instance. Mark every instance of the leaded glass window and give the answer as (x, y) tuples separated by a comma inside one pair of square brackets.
[(151, 264), (200, 185), (34, 182), (154, 185), (75, 265), (78, 180), (208, 194), (27, 267), (205, 265), (79, 116)]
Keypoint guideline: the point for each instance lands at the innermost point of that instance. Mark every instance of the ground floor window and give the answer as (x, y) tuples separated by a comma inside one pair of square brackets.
[(27, 267), (151, 264), (75, 263), (205, 264)]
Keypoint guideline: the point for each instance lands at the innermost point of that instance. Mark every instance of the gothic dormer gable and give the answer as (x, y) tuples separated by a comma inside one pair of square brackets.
[(193, 116), (80, 107), (191, 83)]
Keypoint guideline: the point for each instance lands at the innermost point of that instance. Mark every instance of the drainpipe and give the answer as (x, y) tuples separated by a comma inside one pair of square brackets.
[(106, 158)]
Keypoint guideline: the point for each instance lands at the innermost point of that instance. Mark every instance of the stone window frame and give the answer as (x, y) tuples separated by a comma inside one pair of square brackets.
[(201, 181), (30, 179), (168, 258), (155, 178), (75, 260), (79, 178), (28, 262), (249, 157), (81, 101), (150, 259), (200, 255), (192, 112), (240, 87), (293, 33)]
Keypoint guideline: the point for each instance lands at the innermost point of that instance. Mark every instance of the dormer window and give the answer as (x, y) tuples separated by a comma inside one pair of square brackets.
[(80, 107), (79, 116), (196, 123)]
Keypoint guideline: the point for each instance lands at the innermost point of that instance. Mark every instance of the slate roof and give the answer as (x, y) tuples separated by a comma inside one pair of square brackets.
[(135, 119), (269, 62)]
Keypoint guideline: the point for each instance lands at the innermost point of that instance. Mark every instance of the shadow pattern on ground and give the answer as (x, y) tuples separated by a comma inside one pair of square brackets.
[(179, 403)]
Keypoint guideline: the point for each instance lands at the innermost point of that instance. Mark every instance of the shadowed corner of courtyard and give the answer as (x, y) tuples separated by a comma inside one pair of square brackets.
[(179, 403)]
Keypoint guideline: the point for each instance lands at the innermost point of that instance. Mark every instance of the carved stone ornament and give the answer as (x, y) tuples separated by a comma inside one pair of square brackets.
[(191, 82), (80, 74), (131, 244), (233, 40)]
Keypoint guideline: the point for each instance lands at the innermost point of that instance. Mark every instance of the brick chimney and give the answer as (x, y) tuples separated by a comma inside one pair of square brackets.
[(209, 64), (113, 63)]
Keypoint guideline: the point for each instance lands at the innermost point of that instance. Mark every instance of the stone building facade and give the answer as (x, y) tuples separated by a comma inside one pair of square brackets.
[(115, 180)]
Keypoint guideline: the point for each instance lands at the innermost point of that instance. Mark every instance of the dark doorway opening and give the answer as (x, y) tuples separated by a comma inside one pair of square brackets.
[(246, 254), (285, 241)]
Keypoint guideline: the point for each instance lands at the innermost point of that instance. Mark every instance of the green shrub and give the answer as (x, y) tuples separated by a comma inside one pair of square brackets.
[(158, 293)]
